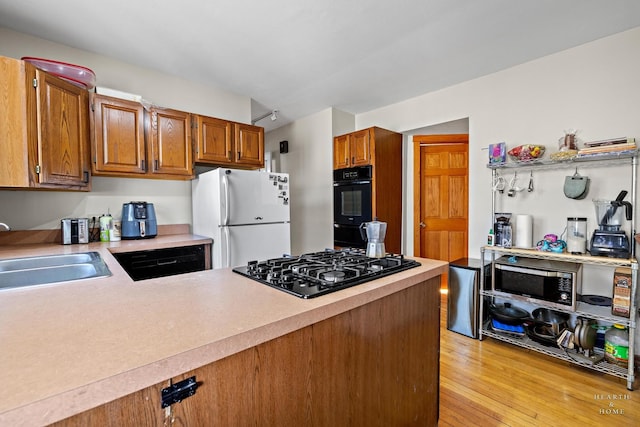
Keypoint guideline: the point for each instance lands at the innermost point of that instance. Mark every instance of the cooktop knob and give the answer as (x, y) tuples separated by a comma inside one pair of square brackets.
[(274, 274), (262, 272), (287, 276)]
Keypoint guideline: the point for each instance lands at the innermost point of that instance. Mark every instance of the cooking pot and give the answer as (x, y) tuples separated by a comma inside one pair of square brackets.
[(508, 314), (550, 321), (585, 335)]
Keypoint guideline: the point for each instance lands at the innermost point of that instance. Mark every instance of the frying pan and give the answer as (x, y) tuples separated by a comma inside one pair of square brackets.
[(508, 314)]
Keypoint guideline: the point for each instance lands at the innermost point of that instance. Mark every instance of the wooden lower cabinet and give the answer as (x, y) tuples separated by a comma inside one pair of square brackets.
[(376, 365)]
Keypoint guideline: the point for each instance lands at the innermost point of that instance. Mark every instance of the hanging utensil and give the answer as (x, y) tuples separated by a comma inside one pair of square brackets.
[(530, 188), (499, 183), (513, 186)]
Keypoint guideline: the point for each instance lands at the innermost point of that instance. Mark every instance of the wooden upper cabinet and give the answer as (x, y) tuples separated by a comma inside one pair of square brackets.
[(224, 143), (63, 119), (353, 149), (249, 145), (14, 172), (341, 152), (214, 140), (44, 130), (170, 150), (117, 133), (360, 147), (128, 141)]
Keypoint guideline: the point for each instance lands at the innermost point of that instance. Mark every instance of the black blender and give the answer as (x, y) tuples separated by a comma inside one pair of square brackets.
[(610, 240)]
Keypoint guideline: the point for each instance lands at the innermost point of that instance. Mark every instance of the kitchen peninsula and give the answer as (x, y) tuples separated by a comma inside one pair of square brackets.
[(99, 351)]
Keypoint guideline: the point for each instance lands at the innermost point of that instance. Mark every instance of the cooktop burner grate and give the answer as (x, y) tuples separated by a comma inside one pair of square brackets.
[(318, 273)]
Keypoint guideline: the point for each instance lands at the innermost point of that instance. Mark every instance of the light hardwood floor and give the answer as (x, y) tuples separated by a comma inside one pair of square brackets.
[(491, 383)]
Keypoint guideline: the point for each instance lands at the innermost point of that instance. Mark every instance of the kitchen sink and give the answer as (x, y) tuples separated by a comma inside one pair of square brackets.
[(46, 261), (41, 270)]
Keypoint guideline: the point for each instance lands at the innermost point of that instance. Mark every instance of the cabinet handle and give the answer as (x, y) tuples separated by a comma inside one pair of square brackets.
[(238, 155), (422, 224), (143, 166), (353, 159), (85, 175), (155, 165)]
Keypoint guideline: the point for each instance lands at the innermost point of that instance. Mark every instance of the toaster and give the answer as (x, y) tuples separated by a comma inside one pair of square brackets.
[(139, 221), (74, 230)]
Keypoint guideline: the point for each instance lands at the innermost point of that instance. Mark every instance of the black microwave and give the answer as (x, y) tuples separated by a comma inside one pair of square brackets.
[(553, 283)]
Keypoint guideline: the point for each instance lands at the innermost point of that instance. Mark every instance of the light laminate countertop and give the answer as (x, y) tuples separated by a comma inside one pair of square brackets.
[(66, 348)]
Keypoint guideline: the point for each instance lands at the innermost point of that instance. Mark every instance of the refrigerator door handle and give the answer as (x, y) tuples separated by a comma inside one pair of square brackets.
[(227, 247), (225, 185)]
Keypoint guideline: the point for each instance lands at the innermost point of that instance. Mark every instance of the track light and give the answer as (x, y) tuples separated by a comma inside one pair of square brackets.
[(273, 114)]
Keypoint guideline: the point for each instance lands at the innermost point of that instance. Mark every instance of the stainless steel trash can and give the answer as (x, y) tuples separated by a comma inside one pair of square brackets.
[(463, 300)]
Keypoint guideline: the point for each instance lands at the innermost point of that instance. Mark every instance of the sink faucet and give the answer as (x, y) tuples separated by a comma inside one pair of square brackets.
[(5, 226)]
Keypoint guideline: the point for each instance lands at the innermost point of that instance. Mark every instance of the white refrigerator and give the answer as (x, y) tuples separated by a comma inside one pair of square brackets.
[(246, 213)]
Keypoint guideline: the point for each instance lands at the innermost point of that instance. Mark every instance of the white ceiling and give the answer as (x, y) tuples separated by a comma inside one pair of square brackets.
[(303, 56)]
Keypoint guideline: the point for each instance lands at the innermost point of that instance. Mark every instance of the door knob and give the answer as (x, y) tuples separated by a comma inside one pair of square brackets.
[(422, 224)]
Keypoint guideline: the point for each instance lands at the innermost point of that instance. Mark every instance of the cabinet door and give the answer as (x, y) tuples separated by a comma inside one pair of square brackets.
[(359, 148), (13, 124), (117, 136), (170, 143), (249, 145), (61, 158), (213, 140), (341, 152)]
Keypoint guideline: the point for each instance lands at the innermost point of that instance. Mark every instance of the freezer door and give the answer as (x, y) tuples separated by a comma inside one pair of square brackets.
[(255, 197), (240, 244)]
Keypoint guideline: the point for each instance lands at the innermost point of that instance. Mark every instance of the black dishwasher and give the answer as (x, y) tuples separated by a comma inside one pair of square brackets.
[(153, 263)]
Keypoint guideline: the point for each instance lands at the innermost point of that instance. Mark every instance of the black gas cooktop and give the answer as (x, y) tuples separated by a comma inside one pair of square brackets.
[(319, 273)]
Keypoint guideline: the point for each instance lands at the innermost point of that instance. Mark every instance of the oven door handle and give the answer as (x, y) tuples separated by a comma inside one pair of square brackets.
[(345, 183), (525, 270)]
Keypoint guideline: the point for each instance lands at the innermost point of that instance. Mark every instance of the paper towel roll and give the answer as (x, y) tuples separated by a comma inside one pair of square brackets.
[(524, 231)]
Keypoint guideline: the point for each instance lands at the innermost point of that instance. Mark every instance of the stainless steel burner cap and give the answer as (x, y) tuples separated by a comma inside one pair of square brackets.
[(333, 276)]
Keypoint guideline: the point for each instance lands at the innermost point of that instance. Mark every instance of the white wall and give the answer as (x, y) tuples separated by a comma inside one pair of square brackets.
[(594, 88), (309, 164), (172, 199)]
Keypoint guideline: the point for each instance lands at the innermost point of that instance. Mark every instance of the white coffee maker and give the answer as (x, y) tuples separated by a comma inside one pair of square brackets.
[(375, 232)]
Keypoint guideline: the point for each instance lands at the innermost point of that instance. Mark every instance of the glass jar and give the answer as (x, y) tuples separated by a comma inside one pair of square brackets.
[(576, 235), (616, 345)]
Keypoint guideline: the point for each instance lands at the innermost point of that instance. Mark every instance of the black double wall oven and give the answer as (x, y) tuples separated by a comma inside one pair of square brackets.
[(352, 188)]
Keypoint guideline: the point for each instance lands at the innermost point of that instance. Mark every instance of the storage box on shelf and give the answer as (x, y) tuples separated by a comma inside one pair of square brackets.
[(600, 313)]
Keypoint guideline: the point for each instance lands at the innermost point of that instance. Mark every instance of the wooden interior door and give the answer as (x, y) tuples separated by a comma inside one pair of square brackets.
[(441, 208)]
